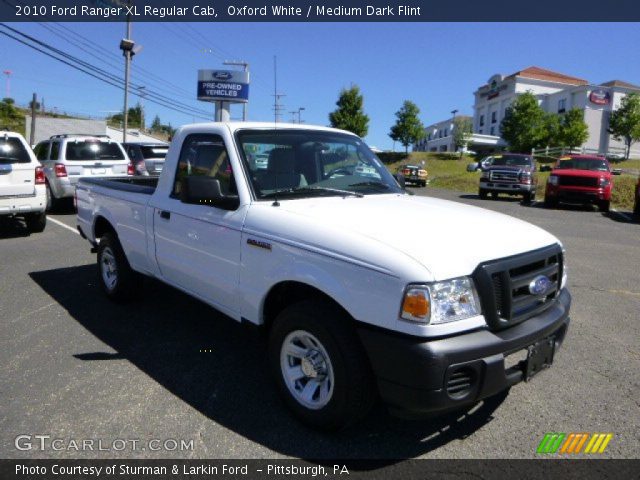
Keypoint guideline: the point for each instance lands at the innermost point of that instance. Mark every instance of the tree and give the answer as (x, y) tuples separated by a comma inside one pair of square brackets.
[(156, 125), (408, 128), (462, 130), (133, 121), (350, 114), (573, 129), (11, 117), (625, 121), (551, 136), (523, 126)]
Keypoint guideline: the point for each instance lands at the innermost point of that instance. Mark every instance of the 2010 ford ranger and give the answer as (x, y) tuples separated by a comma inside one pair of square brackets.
[(355, 306)]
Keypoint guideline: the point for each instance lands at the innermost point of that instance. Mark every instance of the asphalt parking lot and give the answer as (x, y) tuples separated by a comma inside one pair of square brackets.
[(75, 366)]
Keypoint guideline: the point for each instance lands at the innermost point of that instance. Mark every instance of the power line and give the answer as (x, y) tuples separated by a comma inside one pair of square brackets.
[(109, 81)]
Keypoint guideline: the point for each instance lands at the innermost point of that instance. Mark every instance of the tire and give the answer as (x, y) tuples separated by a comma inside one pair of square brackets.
[(528, 198), (494, 195), (482, 193), (36, 222), (550, 202), (116, 277), (52, 201), (329, 358), (636, 207), (604, 205)]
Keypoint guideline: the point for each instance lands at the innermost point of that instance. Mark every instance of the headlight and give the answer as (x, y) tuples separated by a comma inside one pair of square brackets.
[(553, 180), (485, 174), (441, 302), (603, 182)]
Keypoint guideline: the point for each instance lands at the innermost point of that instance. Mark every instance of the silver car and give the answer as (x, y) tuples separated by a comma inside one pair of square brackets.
[(66, 158), (147, 158)]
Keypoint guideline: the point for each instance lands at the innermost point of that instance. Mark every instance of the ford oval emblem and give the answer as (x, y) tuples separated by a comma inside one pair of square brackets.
[(222, 75), (540, 285)]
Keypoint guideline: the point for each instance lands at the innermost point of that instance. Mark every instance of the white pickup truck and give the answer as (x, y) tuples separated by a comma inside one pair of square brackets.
[(364, 291)]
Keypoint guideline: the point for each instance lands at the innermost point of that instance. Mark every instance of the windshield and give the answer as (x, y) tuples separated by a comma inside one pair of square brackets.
[(595, 164), (154, 152), (309, 163), (13, 151), (512, 161), (93, 150)]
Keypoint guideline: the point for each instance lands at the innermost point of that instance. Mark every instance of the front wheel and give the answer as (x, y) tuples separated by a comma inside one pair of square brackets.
[(604, 205), (320, 367), (636, 207), (528, 197), (550, 202), (482, 193), (36, 222), (116, 277)]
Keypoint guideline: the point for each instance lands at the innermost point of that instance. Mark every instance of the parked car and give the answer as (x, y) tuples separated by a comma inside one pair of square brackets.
[(319, 257), (582, 179), (22, 182), (66, 158), (415, 174), (636, 203), (146, 158), (510, 173)]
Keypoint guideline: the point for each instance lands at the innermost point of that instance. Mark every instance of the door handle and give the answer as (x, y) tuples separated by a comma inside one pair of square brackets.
[(164, 214)]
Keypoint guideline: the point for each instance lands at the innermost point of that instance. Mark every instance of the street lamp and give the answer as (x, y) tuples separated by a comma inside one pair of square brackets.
[(300, 114), (129, 49)]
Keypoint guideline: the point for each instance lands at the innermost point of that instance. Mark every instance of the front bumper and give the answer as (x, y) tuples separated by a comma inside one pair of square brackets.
[(578, 194), (412, 373), (507, 187)]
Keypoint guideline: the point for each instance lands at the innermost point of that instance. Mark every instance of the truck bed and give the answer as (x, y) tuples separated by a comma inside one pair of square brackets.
[(144, 185)]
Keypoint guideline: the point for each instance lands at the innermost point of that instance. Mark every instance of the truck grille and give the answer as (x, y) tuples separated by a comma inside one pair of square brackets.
[(578, 181), (504, 286), (510, 176)]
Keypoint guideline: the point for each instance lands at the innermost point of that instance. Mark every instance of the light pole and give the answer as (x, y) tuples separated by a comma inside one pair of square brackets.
[(129, 49), (245, 66), (300, 114), (141, 93)]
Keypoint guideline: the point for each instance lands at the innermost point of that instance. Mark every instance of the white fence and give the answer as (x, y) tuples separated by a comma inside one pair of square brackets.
[(614, 152)]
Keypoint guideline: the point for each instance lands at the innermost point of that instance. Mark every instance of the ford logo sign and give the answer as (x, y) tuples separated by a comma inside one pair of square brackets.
[(222, 75), (540, 285)]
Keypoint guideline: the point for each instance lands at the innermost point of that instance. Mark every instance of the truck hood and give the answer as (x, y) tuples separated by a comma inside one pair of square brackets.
[(447, 238)]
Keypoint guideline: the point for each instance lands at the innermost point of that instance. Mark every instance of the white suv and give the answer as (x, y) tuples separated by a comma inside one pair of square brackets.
[(68, 157), (22, 182)]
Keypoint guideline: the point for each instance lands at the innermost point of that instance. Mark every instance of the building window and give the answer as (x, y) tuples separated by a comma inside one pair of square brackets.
[(482, 120), (446, 132), (494, 117), (480, 131), (562, 105), (493, 130)]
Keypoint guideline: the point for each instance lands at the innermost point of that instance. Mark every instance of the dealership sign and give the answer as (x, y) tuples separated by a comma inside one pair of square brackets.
[(223, 85), (600, 97)]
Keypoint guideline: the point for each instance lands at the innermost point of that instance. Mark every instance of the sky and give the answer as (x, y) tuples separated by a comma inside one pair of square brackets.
[(436, 65)]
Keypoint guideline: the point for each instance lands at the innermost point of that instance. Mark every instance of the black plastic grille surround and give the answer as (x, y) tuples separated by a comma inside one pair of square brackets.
[(503, 286), (570, 181)]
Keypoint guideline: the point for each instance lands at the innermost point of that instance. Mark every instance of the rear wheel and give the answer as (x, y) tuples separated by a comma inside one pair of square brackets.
[(36, 222), (482, 193), (604, 205), (320, 367), (52, 201), (116, 277)]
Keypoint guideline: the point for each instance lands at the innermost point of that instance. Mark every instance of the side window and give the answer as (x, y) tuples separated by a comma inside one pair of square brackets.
[(131, 151), (41, 150), (55, 151), (205, 155)]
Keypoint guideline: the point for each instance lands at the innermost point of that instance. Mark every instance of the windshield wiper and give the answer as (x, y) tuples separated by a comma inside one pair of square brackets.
[(370, 184), (299, 190)]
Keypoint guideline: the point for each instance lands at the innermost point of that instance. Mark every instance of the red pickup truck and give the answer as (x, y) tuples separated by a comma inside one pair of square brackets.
[(580, 179)]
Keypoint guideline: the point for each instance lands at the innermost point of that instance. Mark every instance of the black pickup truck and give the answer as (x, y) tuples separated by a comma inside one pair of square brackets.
[(510, 173)]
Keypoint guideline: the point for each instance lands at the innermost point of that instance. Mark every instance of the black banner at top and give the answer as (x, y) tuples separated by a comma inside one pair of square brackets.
[(318, 10)]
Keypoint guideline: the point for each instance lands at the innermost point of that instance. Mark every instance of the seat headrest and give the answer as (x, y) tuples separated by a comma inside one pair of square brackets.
[(281, 160)]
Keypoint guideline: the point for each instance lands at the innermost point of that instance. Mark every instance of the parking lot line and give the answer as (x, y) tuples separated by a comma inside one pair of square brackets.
[(64, 225)]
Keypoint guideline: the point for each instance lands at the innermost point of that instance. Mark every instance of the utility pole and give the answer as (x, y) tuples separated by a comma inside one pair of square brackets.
[(245, 66), (293, 116), (127, 61), (142, 94), (277, 106), (300, 109), (32, 136), (8, 83)]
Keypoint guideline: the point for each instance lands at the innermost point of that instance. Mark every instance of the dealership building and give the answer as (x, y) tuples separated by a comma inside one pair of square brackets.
[(556, 93)]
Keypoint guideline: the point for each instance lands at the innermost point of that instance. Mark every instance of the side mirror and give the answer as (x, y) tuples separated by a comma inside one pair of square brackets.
[(472, 167), (400, 179), (616, 171), (202, 190)]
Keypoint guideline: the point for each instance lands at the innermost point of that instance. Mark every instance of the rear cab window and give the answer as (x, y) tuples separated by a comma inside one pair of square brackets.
[(12, 150), (92, 150)]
